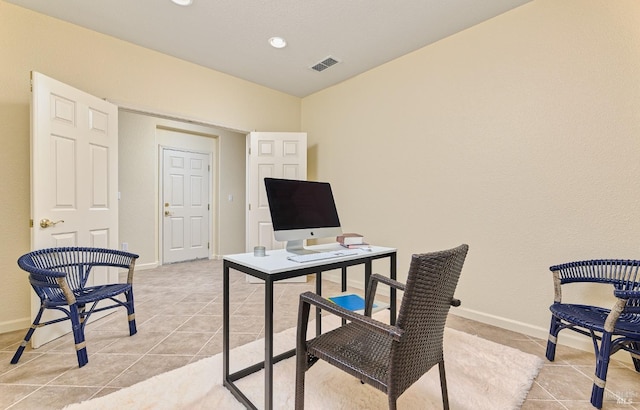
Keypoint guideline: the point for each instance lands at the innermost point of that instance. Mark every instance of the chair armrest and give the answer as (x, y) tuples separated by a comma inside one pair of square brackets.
[(132, 266), (614, 314), (393, 283), (66, 290), (372, 286), (627, 294), (388, 281), (311, 298)]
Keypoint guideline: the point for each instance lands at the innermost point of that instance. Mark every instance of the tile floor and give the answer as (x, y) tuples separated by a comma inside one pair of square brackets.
[(179, 318)]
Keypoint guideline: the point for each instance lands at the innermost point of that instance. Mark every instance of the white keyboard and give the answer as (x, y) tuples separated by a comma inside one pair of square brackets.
[(310, 257)]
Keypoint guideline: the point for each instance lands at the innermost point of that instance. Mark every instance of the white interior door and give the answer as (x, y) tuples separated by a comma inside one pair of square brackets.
[(186, 207), (274, 155), (74, 177)]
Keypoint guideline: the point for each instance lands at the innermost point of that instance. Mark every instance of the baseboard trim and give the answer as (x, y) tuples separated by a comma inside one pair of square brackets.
[(146, 266), (13, 325), (565, 338), (501, 322)]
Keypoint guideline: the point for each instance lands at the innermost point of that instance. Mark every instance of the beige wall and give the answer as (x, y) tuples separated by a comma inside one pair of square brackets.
[(116, 70), (520, 137), (141, 138)]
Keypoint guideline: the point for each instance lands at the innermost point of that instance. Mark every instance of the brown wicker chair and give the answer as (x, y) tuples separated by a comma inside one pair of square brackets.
[(389, 358)]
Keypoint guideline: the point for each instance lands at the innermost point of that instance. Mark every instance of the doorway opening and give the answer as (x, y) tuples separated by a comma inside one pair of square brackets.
[(143, 136)]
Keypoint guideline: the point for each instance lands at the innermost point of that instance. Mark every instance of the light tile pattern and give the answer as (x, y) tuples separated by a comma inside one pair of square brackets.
[(179, 318)]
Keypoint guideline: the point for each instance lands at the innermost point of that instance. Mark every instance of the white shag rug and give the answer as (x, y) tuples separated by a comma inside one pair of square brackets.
[(480, 375)]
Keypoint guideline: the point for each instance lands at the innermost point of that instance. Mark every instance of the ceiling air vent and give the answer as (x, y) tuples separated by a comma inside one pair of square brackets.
[(324, 64)]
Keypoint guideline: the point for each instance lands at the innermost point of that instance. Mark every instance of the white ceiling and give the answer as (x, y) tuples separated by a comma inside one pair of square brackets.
[(231, 36)]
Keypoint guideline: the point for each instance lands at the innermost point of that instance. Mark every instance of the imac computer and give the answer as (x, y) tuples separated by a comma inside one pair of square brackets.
[(301, 210)]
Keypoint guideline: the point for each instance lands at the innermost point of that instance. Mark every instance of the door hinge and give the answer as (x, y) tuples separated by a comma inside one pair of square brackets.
[(249, 150), (208, 207), (207, 245), (249, 206), (30, 223)]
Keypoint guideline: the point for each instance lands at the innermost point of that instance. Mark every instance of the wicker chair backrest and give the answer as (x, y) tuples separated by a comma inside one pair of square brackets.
[(623, 274), (430, 286), (72, 263)]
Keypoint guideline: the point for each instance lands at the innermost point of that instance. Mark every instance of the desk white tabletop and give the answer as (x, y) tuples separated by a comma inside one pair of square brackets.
[(276, 261)]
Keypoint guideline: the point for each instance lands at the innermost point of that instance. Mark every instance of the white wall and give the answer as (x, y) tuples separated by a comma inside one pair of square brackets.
[(520, 137)]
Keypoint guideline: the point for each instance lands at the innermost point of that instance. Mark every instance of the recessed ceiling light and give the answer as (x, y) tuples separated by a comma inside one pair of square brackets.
[(278, 42), (183, 2)]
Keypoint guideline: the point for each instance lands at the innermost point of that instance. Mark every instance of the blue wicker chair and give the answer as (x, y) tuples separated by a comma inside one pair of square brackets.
[(610, 329), (59, 277), (389, 358)]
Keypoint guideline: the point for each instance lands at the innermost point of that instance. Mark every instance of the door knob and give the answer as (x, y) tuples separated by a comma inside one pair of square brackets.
[(46, 223), (167, 213)]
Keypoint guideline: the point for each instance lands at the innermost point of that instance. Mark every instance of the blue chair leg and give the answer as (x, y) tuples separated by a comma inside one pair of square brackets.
[(602, 366), (131, 314), (27, 337), (78, 335), (554, 329), (81, 313), (636, 362)]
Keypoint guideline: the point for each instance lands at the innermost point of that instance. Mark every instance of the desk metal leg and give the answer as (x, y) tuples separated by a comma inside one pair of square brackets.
[(393, 274), (367, 276), (318, 311), (268, 344), (343, 286), (226, 328), (225, 323), (392, 293)]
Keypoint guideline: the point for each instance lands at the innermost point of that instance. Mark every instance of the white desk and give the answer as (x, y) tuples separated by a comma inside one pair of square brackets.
[(275, 267)]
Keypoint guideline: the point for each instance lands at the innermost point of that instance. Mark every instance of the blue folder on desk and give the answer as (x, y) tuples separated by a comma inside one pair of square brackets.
[(350, 301)]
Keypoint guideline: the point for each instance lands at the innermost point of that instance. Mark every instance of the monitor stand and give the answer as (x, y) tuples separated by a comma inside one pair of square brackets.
[(297, 247)]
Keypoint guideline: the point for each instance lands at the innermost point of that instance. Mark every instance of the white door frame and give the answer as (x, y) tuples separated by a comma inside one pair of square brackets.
[(191, 142)]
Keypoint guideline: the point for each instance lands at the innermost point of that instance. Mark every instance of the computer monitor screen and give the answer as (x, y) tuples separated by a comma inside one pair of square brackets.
[(301, 210)]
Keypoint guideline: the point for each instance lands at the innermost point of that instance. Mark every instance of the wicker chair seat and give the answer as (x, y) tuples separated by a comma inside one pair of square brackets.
[(593, 318), (90, 294), (357, 351)]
